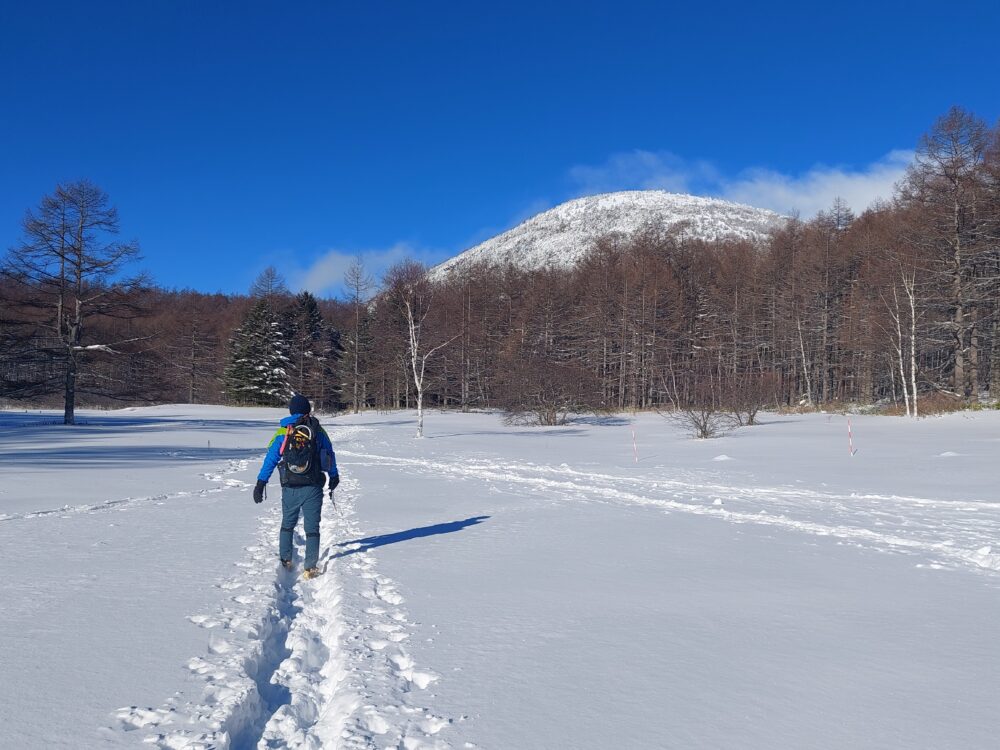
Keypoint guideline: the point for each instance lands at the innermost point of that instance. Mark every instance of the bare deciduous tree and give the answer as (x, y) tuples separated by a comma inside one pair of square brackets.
[(952, 214), (70, 260), (359, 284), (409, 289)]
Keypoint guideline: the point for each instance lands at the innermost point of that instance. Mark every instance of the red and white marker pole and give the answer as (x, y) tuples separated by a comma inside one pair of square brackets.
[(850, 437)]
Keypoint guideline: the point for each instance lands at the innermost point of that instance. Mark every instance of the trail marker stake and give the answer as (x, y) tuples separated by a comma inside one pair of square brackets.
[(850, 437), (635, 450)]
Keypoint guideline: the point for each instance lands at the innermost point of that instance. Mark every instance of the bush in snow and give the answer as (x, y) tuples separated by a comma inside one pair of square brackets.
[(539, 392), (702, 421)]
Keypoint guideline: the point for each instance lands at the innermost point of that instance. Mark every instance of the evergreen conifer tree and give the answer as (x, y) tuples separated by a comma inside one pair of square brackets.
[(306, 329), (315, 352), (257, 372)]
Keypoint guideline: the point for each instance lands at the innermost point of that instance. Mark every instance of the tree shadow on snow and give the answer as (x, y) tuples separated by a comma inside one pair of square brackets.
[(46, 429), (401, 536), (539, 432), (381, 423), (601, 420), (123, 456)]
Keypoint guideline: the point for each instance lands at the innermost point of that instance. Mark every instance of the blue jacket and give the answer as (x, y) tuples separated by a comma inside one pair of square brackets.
[(274, 448)]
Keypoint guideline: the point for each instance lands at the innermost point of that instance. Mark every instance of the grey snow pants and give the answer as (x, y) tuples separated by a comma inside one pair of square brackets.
[(308, 500)]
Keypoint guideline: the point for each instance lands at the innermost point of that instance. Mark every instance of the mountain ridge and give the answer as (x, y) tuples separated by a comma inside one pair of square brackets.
[(561, 236)]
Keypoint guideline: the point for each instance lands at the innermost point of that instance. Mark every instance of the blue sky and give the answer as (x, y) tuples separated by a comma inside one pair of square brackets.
[(236, 135)]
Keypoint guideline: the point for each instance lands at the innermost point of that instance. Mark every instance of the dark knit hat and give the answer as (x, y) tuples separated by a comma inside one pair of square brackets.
[(299, 405)]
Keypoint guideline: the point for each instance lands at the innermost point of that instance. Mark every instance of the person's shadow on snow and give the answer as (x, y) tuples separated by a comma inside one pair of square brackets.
[(370, 542)]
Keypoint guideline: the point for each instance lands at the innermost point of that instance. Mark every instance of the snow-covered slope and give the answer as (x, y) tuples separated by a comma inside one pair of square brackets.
[(561, 236), (607, 584)]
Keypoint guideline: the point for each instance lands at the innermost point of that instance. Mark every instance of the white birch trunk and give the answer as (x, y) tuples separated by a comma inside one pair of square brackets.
[(805, 363), (900, 344), (418, 373), (910, 286)]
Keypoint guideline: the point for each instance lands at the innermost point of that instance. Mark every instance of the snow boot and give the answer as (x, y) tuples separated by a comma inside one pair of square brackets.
[(311, 573), (286, 564)]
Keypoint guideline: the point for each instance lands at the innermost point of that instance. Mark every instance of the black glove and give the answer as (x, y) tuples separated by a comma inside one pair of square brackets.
[(334, 481), (258, 491)]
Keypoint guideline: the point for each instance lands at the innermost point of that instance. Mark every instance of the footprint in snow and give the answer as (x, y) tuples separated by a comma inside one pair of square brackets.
[(401, 661), (201, 667), (389, 596), (420, 679), (133, 717), (204, 621), (375, 724), (218, 645), (433, 724)]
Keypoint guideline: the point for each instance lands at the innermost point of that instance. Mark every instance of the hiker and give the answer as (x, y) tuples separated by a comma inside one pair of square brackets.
[(301, 450)]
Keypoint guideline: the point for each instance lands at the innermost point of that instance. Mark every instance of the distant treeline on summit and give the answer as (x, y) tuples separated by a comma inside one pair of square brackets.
[(890, 306)]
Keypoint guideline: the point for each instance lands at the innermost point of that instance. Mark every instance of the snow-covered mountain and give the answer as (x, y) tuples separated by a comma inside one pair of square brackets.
[(561, 236)]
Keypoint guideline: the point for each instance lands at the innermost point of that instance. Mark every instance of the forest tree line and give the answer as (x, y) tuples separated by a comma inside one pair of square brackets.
[(889, 306)]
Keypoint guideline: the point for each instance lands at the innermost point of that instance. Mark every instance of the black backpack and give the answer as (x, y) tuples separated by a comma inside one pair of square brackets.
[(300, 461)]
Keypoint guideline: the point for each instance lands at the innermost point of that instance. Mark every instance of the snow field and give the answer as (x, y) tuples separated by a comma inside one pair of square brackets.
[(881, 521), (792, 596), (499, 587)]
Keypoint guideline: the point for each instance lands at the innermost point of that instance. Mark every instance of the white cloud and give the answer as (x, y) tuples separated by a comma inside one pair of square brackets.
[(325, 275), (806, 193), (816, 190)]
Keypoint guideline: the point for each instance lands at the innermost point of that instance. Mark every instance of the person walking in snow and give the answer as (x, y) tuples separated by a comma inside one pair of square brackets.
[(301, 451)]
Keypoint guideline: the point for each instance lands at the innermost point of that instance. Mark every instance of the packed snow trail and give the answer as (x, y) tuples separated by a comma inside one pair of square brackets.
[(288, 662), (325, 666)]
